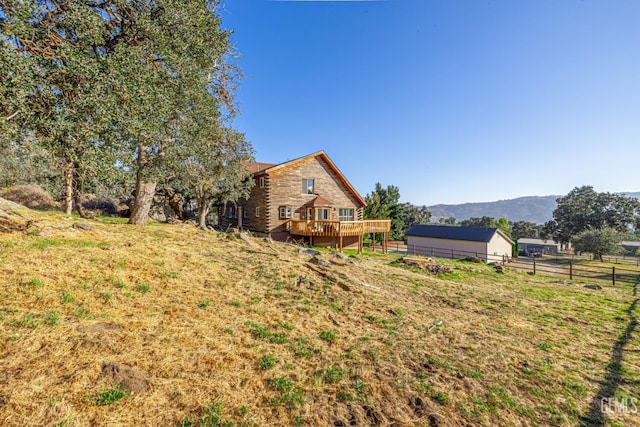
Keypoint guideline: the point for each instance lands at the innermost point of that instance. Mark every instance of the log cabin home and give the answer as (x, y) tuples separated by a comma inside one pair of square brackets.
[(306, 199)]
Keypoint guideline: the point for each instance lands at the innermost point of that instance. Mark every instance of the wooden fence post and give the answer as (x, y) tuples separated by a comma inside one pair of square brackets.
[(613, 275), (570, 270), (452, 254), (534, 265)]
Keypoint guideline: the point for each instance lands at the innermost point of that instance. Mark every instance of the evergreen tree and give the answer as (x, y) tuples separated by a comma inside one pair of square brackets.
[(384, 203)]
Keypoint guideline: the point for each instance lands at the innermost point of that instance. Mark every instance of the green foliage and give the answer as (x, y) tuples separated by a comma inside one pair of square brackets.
[(384, 203), (33, 284), (212, 417), (52, 318), (333, 375), (67, 298), (504, 226), (258, 331), (111, 395), (328, 336), (289, 393), (448, 221), (414, 215), (585, 209), (485, 221), (267, 362), (360, 387), (520, 229), (115, 91), (605, 241), (515, 249)]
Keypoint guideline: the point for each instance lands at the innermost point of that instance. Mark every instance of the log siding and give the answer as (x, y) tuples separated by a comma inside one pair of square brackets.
[(283, 187)]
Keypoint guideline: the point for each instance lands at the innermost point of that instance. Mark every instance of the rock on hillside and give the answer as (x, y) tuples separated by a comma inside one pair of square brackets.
[(12, 217)]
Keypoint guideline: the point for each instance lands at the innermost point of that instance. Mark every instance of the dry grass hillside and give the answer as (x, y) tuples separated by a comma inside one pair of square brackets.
[(171, 326)]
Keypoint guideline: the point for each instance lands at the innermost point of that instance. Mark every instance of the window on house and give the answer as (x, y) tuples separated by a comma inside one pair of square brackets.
[(261, 181), (307, 186), (230, 212), (257, 211), (322, 214), (346, 214), (286, 212)]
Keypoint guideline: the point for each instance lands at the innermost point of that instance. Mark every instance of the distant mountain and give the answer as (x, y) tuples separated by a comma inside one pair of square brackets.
[(537, 209)]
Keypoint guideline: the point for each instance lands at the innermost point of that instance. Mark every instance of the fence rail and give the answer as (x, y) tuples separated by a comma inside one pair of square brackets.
[(452, 253), (575, 270), (565, 265)]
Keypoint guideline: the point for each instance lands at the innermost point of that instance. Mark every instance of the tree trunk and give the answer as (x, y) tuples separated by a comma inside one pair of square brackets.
[(77, 193), (68, 184), (202, 216), (78, 202), (145, 191), (203, 208)]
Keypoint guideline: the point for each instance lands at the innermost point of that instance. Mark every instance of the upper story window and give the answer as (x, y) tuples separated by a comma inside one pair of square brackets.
[(261, 181), (257, 211), (308, 186)]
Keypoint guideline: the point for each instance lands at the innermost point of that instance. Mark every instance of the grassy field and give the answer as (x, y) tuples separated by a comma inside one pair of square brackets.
[(216, 332)]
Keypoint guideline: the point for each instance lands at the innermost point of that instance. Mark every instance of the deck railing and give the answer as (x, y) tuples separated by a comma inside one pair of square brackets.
[(338, 228)]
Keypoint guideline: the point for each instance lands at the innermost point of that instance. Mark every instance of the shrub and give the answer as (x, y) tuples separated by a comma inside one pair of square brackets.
[(106, 207), (31, 196)]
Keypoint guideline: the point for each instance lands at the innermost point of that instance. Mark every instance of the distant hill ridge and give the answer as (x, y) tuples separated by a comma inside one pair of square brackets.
[(537, 209)]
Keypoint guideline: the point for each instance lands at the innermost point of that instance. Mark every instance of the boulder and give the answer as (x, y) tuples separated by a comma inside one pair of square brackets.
[(308, 251), (13, 217)]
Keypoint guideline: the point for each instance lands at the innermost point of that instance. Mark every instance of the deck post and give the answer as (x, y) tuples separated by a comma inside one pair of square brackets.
[(340, 242)]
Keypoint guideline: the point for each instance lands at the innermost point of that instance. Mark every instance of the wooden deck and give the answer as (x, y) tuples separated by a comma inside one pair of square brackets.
[(338, 228)]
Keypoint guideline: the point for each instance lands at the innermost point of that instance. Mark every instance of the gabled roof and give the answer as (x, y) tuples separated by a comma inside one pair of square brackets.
[(472, 234), (255, 167), (528, 241), (273, 169), (319, 201)]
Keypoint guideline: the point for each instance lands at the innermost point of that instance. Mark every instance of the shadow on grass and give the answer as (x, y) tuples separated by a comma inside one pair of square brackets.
[(609, 385)]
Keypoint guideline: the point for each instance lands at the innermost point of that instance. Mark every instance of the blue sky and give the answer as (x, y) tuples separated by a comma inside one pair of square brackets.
[(452, 101)]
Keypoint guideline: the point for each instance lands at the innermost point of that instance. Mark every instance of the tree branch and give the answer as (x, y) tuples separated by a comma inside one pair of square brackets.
[(11, 116)]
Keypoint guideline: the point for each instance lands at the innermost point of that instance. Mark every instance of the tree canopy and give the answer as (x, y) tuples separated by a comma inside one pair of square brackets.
[(113, 86), (584, 209), (384, 203), (599, 242), (415, 215)]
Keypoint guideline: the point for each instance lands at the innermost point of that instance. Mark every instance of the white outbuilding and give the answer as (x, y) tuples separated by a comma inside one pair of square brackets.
[(443, 241)]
